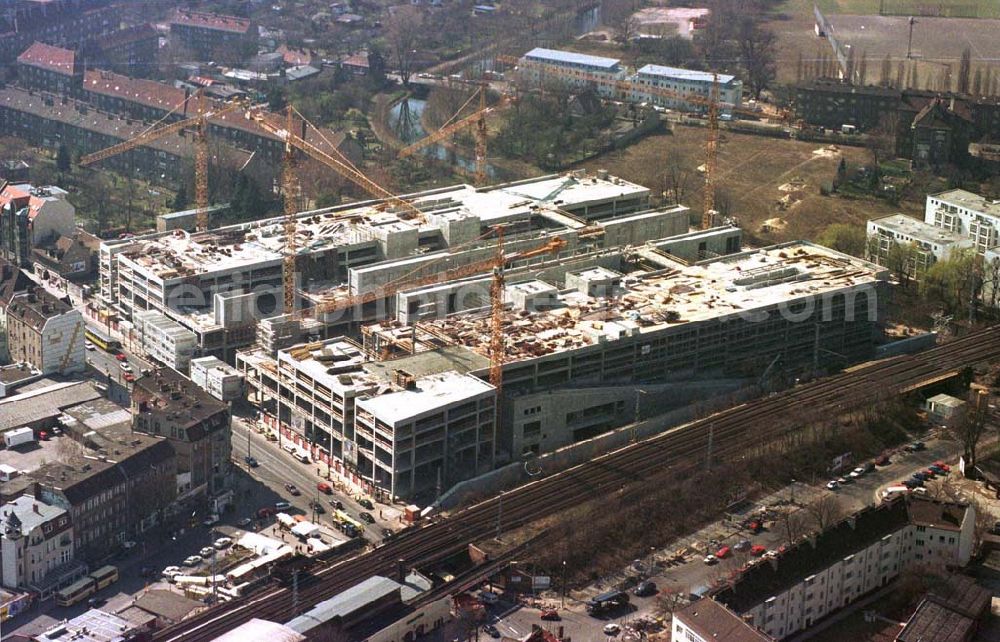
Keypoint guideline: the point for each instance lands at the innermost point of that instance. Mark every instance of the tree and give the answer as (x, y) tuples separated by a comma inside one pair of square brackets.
[(863, 69), (825, 511), (793, 525), (952, 282), (758, 47), (902, 260), (846, 238), (667, 601), (677, 178), (970, 429), (620, 16), (180, 199), (403, 31), (62, 158), (964, 69), (882, 139)]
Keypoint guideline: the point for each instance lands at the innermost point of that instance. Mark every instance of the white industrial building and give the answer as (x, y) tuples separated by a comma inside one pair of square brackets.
[(685, 82), (36, 546), (217, 378), (164, 340), (863, 552)]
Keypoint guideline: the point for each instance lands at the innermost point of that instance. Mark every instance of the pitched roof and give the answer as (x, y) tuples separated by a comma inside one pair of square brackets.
[(206, 20), (126, 36), (12, 280), (35, 307), (945, 516), (295, 57), (808, 557), (147, 92), (962, 594), (48, 57), (713, 621), (931, 621), (167, 605)]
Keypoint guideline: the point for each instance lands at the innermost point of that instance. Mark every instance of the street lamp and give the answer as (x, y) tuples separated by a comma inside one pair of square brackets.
[(562, 586)]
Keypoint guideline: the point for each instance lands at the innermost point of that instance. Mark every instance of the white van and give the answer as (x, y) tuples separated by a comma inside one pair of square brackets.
[(302, 456), (894, 491)]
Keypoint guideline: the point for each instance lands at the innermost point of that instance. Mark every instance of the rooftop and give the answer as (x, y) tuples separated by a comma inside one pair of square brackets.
[(210, 21), (48, 57), (257, 629), (429, 394), (557, 56), (350, 601), (647, 302), (91, 626), (30, 512), (35, 307), (147, 92), (169, 392), (686, 74), (932, 621), (969, 200), (941, 515), (29, 406), (127, 36), (167, 604), (917, 229), (713, 621)]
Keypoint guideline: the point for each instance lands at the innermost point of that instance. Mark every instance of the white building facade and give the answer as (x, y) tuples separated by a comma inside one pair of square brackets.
[(217, 378), (971, 215), (684, 82), (37, 540), (165, 340)]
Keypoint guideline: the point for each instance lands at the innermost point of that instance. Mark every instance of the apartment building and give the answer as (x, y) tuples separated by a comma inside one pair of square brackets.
[(164, 340), (36, 546), (46, 68), (706, 620), (684, 82), (196, 424), (965, 213), (848, 560), (131, 51), (929, 243), (542, 66), (13, 280), (64, 23), (611, 79), (114, 495), (32, 218), (45, 332), (218, 378), (211, 36)]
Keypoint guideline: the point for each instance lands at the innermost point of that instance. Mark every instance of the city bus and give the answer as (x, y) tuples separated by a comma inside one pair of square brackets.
[(343, 518), (105, 576), (78, 590), (102, 340)]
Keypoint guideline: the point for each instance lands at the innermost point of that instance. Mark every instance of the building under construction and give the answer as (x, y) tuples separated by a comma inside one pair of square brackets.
[(407, 409), (220, 283)]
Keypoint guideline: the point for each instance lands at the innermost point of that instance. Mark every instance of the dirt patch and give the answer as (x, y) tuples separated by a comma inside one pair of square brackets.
[(831, 151)]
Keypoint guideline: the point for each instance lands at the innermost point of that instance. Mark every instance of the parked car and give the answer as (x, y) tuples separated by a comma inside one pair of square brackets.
[(129, 377), (366, 503), (488, 597), (282, 505), (645, 589), (244, 522), (223, 542), (833, 484), (171, 571), (918, 446), (922, 476), (207, 551), (723, 552), (612, 628), (757, 550), (87, 345), (293, 490), (868, 467), (857, 472), (128, 544), (121, 356), (125, 366), (367, 517), (96, 602), (943, 466), (937, 469), (912, 483), (843, 481), (192, 560), (387, 533), (316, 506), (742, 545), (269, 511), (710, 559), (550, 615), (882, 460), (211, 520), (336, 503), (251, 461)]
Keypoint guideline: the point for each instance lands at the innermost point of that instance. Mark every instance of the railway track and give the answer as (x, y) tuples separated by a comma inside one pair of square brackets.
[(721, 437)]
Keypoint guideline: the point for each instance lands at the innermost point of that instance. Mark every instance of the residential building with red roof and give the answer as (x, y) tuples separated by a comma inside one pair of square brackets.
[(47, 68), (131, 51), (31, 217), (212, 36)]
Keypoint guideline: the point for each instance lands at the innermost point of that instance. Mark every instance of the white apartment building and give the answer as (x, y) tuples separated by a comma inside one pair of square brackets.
[(971, 215), (36, 544), (165, 340), (684, 82), (932, 243), (573, 70), (831, 569), (217, 378)]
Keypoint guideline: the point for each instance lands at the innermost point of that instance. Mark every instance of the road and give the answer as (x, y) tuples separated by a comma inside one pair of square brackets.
[(278, 467)]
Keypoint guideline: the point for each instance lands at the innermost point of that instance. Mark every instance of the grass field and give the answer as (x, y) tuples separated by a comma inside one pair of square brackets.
[(942, 8), (755, 174)]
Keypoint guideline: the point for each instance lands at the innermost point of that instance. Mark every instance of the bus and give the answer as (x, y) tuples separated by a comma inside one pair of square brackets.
[(344, 519), (78, 590), (105, 576), (102, 340)]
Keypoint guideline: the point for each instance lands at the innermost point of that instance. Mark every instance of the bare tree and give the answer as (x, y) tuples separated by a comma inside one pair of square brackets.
[(793, 524), (758, 48), (677, 176), (667, 601), (620, 16), (977, 82), (403, 31), (825, 511), (970, 430), (863, 69), (885, 73)]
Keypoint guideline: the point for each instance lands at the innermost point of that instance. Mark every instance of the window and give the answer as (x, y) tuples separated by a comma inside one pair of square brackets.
[(532, 429), (951, 540)]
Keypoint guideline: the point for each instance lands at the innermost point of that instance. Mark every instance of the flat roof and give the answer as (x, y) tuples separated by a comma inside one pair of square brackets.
[(430, 394), (178, 254), (686, 74), (559, 56), (344, 604), (29, 406), (651, 301), (91, 626), (917, 229), (970, 200)]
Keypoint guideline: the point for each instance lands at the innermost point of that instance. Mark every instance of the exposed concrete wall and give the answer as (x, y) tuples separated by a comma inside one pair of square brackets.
[(520, 472)]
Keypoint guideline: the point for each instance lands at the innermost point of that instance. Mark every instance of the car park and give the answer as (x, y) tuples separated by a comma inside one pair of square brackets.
[(833, 484), (367, 517), (612, 628)]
